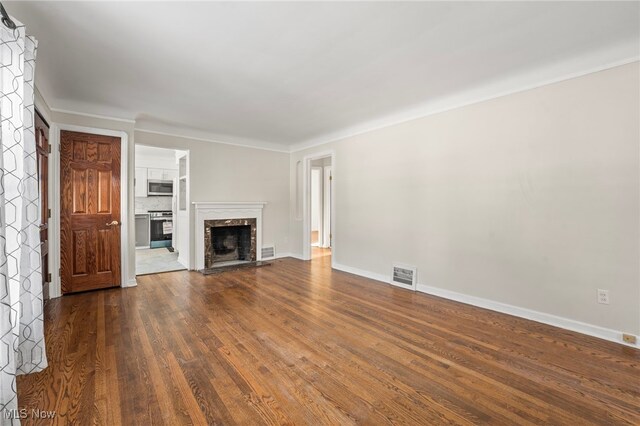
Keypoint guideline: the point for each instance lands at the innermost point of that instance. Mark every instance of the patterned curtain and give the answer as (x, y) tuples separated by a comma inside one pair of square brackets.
[(22, 347)]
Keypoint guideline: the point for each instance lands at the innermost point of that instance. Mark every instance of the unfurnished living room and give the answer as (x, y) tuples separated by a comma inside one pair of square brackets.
[(324, 213)]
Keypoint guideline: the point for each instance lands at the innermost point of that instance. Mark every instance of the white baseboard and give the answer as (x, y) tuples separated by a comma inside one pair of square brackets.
[(378, 277), (549, 319), (184, 262), (294, 255), (545, 318), (131, 282)]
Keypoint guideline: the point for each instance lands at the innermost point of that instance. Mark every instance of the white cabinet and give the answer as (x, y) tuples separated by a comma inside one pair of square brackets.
[(161, 174), (140, 182), (154, 174), (169, 174)]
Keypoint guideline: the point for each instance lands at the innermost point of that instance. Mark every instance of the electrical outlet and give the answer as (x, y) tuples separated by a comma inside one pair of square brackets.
[(629, 338), (603, 296)]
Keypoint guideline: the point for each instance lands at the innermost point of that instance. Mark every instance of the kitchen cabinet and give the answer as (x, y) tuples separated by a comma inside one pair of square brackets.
[(154, 174), (140, 182), (161, 174), (169, 174)]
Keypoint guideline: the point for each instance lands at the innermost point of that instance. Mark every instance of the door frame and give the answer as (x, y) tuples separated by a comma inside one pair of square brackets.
[(187, 257), (320, 170), (326, 199), (306, 204), (55, 287)]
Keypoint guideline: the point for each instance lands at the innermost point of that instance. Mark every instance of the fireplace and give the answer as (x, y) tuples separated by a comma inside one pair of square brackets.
[(216, 214), (229, 241)]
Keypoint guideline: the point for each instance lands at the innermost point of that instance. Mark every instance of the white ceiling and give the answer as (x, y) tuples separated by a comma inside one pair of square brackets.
[(280, 74)]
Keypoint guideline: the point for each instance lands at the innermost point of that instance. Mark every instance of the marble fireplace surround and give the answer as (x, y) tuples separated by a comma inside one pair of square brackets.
[(221, 223), (216, 211)]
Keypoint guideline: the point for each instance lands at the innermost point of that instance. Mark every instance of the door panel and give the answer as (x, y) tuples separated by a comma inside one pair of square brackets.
[(42, 150), (104, 191), (90, 211)]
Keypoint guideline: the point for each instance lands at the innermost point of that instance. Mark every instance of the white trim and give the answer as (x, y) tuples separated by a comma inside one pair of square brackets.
[(55, 289), (482, 94), (545, 318), (485, 93), (326, 202), (229, 204), (361, 272), (245, 143), (306, 204), (293, 255), (86, 114), (213, 210), (529, 314), (320, 171), (131, 282)]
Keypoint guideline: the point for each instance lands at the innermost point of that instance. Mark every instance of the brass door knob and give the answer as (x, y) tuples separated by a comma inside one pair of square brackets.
[(113, 223)]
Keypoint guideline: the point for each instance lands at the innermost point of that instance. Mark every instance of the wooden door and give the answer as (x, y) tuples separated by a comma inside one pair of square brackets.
[(89, 211), (42, 151)]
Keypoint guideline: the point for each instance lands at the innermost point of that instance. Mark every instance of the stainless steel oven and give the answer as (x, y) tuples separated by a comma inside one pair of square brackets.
[(160, 228), (160, 187)]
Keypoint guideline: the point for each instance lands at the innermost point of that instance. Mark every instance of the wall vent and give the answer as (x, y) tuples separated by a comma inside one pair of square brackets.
[(404, 276), (268, 252)]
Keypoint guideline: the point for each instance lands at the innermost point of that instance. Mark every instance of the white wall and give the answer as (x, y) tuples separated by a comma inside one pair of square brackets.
[(220, 172), (531, 199)]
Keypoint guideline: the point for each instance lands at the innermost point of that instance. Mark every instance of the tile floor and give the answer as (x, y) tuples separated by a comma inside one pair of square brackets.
[(149, 261)]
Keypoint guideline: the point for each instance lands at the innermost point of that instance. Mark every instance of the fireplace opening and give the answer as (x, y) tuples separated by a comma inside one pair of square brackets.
[(231, 243)]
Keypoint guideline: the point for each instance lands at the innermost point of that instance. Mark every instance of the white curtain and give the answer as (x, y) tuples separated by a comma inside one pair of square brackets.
[(22, 348)]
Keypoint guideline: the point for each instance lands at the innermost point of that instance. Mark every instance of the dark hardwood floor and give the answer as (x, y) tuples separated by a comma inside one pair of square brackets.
[(298, 343)]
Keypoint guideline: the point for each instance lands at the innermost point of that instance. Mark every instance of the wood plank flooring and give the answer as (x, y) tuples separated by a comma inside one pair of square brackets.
[(298, 343)]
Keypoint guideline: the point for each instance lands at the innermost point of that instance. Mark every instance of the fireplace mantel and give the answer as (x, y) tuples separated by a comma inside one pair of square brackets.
[(214, 210), (229, 204)]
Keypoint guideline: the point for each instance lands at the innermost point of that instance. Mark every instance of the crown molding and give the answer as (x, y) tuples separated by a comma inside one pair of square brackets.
[(263, 145), (467, 98), (86, 114), (246, 143), (486, 93)]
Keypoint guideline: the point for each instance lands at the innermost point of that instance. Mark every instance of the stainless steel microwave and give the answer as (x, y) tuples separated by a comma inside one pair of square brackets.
[(160, 187)]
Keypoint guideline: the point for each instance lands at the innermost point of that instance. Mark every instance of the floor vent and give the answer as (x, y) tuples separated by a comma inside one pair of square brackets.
[(404, 276), (268, 252)]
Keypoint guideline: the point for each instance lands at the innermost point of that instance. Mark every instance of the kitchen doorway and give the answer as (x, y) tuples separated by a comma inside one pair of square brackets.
[(160, 193)]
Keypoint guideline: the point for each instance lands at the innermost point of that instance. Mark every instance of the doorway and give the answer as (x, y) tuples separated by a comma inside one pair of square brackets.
[(320, 181), (161, 219)]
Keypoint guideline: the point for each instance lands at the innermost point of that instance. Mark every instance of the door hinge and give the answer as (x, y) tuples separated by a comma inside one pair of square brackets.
[(49, 277), (49, 213), (330, 177), (59, 272), (49, 148)]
